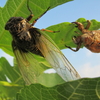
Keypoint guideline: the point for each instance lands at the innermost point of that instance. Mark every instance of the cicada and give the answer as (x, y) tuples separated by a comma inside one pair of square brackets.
[(90, 39), (28, 40)]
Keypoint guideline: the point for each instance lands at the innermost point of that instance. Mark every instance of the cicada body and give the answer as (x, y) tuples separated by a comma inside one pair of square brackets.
[(90, 39), (28, 40)]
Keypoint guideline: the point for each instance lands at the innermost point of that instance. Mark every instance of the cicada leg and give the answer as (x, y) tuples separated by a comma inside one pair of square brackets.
[(49, 30), (79, 25), (72, 48), (31, 15), (78, 43), (88, 24), (39, 17), (75, 50)]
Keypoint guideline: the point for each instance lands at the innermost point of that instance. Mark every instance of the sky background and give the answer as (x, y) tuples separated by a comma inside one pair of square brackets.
[(84, 61)]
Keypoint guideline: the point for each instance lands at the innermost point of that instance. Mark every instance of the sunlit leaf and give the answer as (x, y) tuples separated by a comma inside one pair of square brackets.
[(8, 90), (83, 89), (50, 79), (9, 72)]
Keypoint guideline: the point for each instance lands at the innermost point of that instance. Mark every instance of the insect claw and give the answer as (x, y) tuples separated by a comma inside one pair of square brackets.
[(88, 24), (49, 30), (48, 8), (74, 37), (67, 46), (76, 32), (56, 31), (75, 23), (88, 21)]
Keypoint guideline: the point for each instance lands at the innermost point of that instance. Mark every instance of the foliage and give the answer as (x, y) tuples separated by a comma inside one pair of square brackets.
[(83, 89), (50, 86)]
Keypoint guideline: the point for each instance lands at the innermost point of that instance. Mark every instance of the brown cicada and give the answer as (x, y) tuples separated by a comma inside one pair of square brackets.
[(28, 40), (90, 39)]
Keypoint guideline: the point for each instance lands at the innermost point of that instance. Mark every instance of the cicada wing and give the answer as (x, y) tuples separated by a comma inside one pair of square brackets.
[(28, 65), (56, 58)]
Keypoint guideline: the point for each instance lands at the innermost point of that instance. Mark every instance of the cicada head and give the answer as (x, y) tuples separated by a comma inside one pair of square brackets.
[(16, 25)]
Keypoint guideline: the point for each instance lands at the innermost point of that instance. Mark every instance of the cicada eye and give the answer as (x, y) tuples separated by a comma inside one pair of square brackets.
[(8, 23), (7, 26), (12, 21)]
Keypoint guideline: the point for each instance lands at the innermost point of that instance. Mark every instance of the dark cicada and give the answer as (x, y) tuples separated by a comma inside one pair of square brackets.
[(90, 39), (28, 40)]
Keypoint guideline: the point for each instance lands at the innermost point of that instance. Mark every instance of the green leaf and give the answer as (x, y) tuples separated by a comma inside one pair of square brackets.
[(9, 71), (98, 89), (8, 90), (2, 74), (10, 80), (50, 80), (83, 89)]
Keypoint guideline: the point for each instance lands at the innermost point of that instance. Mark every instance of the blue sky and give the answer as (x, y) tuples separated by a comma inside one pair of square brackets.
[(84, 61)]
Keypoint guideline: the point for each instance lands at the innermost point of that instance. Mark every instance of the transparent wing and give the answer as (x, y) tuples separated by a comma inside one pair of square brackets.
[(29, 67), (56, 59)]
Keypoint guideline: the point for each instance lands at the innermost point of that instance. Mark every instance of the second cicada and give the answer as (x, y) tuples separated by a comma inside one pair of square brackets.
[(90, 39)]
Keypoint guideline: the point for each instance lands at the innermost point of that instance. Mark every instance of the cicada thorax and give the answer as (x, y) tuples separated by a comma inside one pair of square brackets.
[(24, 35)]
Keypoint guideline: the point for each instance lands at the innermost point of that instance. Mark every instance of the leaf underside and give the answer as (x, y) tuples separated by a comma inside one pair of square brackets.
[(83, 89)]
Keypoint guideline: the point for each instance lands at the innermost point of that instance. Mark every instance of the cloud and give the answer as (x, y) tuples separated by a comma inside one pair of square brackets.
[(88, 70), (88, 52)]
